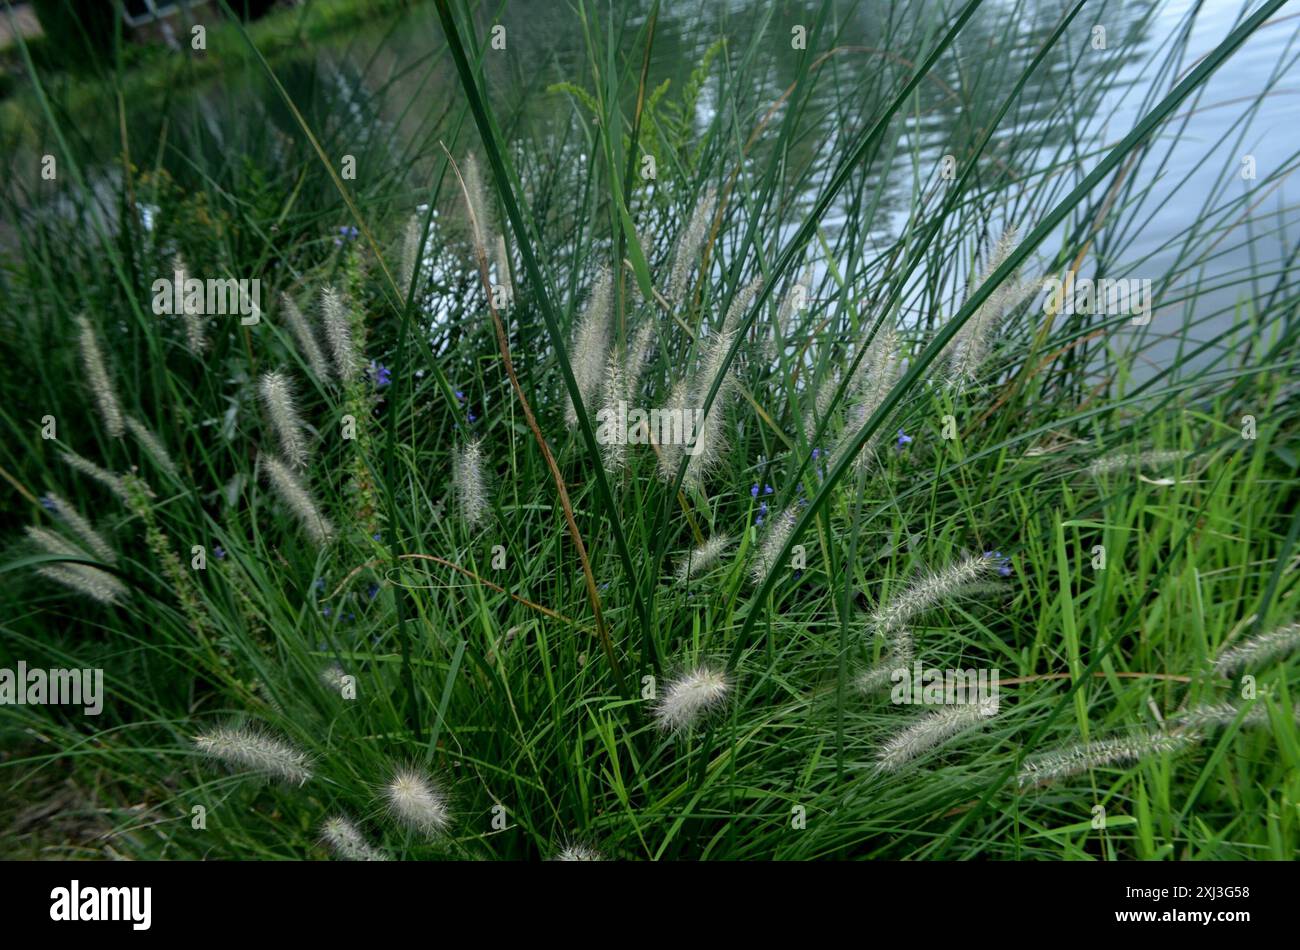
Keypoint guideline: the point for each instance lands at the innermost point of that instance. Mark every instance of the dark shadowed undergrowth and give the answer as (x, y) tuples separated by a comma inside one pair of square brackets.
[(374, 557)]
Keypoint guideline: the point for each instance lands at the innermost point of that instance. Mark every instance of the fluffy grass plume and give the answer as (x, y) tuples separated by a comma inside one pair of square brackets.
[(416, 802), (82, 528), (934, 729), (688, 698), (85, 466), (1117, 750), (99, 381), (1121, 461), (305, 338), (932, 589), (257, 751), (1258, 649), (778, 532), (84, 579), (501, 260), (686, 257), (346, 841), (590, 347), (277, 399), (153, 448), (338, 333), (695, 562), (578, 852), (470, 484), (477, 214), (298, 499), (968, 347), (193, 320), (868, 389)]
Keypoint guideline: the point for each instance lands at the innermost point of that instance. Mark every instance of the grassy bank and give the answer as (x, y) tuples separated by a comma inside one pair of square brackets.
[(438, 600)]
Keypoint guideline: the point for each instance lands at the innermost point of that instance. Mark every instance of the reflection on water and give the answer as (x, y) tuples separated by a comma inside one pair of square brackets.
[(387, 94)]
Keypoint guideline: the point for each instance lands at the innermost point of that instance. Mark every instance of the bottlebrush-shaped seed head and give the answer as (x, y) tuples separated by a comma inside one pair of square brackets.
[(153, 448), (578, 852), (85, 466), (1258, 649), (932, 589), (277, 399), (765, 558), (1116, 750), (306, 338), (338, 333), (416, 802), (934, 729), (100, 383), (477, 213), (298, 499), (79, 526), (591, 346), (686, 257), (1120, 461), (257, 751), (702, 558), (346, 841), (470, 484), (688, 698)]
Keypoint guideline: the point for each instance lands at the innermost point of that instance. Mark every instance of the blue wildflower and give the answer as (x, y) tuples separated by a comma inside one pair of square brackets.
[(218, 552), (380, 374), (903, 438)]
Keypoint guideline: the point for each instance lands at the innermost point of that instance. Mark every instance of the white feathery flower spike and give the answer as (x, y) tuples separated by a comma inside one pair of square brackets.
[(711, 436), (477, 207), (591, 346), (932, 588), (410, 253), (346, 841), (578, 852), (416, 802), (153, 448), (85, 466), (695, 562), (795, 299), (614, 450), (83, 579), (256, 750), (299, 500), (470, 485), (689, 697), (968, 347), (1216, 715), (277, 398), (870, 385), (932, 730), (101, 385), (1116, 750), (686, 257), (670, 453), (306, 339), (81, 528), (1258, 649), (1119, 461), (338, 333), (194, 321), (502, 262), (901, 653), (639, 350), (765, 558)]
